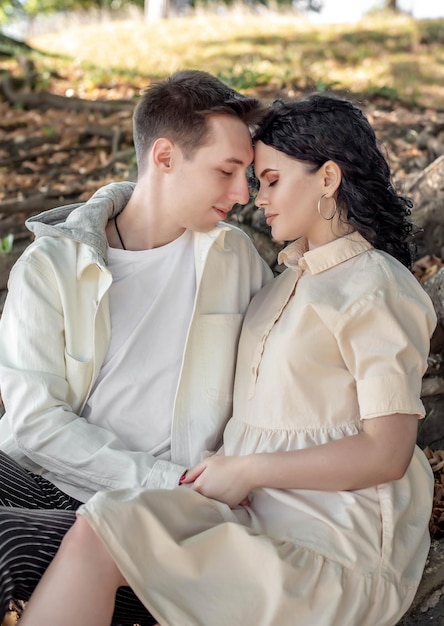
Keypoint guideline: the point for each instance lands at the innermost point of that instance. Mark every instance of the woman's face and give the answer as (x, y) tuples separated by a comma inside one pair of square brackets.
[(289, 194)]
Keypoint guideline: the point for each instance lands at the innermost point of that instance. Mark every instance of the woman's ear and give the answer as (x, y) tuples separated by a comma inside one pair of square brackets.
[(332, 176), (161, 153)]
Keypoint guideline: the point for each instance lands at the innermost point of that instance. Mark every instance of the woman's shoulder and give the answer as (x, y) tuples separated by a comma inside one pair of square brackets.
[(371, 279), (381, 271)]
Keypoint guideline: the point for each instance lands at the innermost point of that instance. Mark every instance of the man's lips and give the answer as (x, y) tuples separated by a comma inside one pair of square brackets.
[(221, 212)]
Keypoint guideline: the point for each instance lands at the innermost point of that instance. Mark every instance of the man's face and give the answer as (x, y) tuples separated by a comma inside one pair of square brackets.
[(207, 185)]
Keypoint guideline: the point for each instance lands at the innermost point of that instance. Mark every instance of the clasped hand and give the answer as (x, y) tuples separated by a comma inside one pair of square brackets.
[(223, 478)]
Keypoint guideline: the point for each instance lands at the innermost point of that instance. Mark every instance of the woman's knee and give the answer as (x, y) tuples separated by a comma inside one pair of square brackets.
[(82, 538), (83, 542)]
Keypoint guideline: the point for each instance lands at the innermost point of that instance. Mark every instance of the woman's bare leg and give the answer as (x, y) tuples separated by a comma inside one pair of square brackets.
[(79, 586)]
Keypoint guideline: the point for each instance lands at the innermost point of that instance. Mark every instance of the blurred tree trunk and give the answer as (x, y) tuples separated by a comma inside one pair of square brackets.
[(156, 10), (392, 5)]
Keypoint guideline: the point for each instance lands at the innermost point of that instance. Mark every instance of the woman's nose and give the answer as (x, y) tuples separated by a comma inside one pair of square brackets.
[(260, 199)]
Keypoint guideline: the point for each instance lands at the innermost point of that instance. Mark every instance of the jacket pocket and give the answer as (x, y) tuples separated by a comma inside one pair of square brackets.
[(219, 337), (78, 375)]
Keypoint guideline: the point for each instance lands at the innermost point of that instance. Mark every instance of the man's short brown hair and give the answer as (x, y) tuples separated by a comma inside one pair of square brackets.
[(178, 107)]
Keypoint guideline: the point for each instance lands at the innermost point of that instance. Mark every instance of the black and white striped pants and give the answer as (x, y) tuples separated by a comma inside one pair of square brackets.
[(34, 517)]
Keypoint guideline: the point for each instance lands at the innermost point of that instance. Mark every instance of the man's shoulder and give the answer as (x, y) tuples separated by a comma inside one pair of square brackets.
[(53, 254), (48, 246), (237, 235)]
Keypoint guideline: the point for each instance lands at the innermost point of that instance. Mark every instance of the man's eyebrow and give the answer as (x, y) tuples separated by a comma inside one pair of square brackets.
[(234, 160)]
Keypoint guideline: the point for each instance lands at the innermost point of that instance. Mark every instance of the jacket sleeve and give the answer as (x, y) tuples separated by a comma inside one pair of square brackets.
[(42, 429)]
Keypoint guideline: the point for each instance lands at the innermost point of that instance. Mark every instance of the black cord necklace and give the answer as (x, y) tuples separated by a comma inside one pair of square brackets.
[(118, 231)]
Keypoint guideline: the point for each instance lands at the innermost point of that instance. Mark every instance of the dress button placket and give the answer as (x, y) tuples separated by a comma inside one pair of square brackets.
[(261, 345)]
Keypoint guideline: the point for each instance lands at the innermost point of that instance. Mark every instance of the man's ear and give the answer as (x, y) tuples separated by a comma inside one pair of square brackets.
[(332, 176), (161, 153)]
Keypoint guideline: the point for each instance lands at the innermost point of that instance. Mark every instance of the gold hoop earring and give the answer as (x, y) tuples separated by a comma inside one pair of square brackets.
[(335, 208)]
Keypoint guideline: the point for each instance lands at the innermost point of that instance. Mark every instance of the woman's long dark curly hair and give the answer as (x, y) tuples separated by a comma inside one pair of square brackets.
[(321, 128)]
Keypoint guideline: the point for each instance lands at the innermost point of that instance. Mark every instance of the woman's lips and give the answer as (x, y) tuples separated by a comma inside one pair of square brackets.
[(270, 217)]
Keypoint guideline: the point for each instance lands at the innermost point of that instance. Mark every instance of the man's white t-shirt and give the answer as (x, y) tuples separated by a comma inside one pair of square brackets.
[(151, 303)]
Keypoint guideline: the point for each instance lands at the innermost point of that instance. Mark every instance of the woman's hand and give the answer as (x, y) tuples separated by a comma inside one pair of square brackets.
[(223, 478)]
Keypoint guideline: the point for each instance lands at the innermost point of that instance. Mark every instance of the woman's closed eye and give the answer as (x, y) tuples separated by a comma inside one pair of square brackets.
[(270, 180)]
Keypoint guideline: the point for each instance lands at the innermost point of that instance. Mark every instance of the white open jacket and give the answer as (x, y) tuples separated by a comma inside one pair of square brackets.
[(54, 335)]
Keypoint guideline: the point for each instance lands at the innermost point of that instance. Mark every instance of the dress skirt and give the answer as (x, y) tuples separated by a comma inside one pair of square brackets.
[(193, 561)]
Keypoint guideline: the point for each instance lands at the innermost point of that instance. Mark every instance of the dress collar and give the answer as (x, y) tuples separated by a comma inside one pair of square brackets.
[(297, 256)]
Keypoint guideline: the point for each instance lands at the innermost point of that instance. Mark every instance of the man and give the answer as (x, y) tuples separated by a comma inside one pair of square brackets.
[(119, 333)]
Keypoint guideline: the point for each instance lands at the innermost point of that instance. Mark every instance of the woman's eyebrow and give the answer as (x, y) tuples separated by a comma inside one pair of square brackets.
[(265, 171)]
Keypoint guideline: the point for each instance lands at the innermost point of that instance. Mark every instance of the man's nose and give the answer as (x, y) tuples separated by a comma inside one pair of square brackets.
[(240, 192)]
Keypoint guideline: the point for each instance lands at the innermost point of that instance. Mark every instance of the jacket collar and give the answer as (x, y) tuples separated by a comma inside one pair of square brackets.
[(84, 222)]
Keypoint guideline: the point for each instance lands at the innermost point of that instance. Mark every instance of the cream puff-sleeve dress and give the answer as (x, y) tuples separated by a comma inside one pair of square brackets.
[(339, 337)]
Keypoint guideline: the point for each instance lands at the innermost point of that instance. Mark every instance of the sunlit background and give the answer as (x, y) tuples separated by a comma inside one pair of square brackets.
[(341, 11)]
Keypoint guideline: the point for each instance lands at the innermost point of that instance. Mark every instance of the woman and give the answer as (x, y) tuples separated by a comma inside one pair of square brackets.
[(316, 509)]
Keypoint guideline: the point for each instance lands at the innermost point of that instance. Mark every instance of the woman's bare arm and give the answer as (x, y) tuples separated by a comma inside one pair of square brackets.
[(380, 453)]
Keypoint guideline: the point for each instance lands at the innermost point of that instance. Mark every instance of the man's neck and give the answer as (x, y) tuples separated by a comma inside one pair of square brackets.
[(142, 225)]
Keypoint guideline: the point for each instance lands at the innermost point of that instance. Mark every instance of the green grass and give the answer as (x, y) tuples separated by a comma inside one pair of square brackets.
[(394, 57)]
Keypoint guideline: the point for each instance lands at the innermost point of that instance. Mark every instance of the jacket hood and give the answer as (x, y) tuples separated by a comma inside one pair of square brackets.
[(84, 222)]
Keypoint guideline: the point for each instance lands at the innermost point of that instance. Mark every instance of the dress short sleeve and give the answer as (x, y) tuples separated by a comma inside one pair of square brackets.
[(385, 340)]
